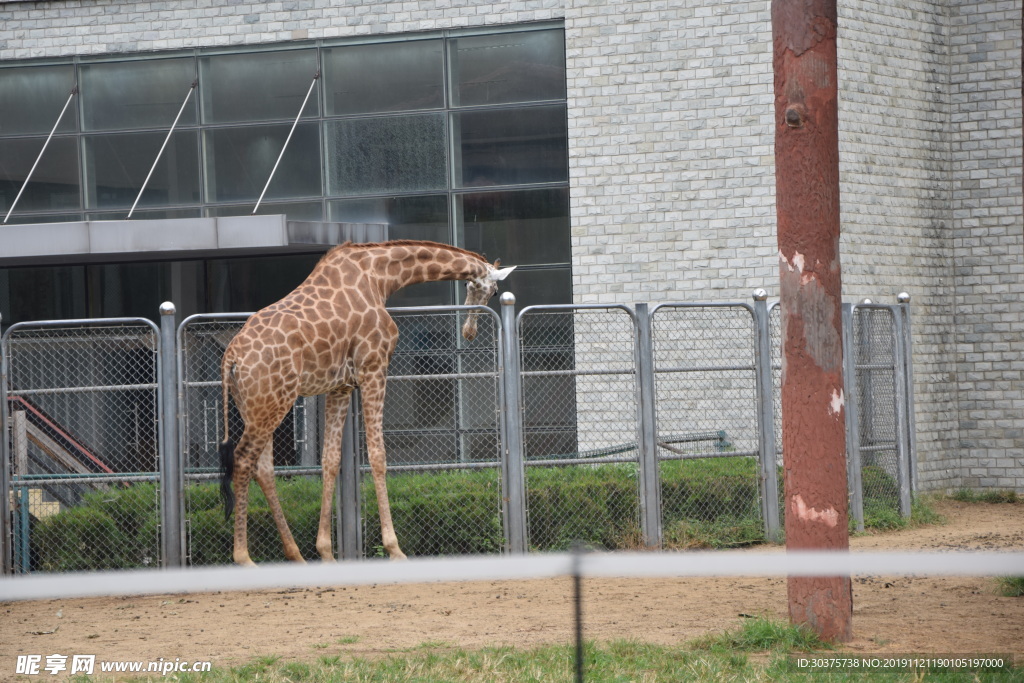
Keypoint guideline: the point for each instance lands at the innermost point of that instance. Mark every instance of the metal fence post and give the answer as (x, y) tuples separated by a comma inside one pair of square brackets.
[(5, 467), (766, 419), (513, 472), (907, 375), (851, 406), (900, 386), (348, 506), (172, 502), (650, 484)]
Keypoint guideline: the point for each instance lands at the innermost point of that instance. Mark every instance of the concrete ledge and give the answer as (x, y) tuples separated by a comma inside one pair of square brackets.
[(146, 240)]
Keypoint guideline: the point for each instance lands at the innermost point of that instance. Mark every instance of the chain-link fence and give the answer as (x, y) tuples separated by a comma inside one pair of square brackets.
[(580, 426), (614, 426), (442, 435), (84, 471), (707, 407), (878, 466), (877, 411)]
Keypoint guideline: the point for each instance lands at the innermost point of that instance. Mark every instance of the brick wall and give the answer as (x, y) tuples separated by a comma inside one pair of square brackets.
[(894, 177), (671, 154), (985, 118)]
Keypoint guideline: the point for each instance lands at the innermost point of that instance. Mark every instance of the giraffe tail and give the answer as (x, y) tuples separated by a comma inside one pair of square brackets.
[(227, 448), (227, 470)]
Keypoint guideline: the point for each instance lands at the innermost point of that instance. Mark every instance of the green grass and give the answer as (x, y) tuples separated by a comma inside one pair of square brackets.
[(759, 649), (994, 496), (1011, 586)]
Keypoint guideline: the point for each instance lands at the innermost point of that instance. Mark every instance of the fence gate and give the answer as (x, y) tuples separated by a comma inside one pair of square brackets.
[(580, 426), (707, 403), (877, 444), (879, 406), (83, 405), (443, 437)]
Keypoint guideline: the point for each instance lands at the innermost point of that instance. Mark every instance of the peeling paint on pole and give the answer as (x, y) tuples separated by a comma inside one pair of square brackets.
[(807, 201)]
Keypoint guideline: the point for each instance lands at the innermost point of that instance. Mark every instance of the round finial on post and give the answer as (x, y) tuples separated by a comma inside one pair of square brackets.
[(760, 294), (507, 299), (903, 298), (167, 308)]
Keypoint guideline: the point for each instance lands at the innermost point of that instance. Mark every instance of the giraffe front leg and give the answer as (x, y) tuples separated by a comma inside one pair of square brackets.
[(372, 389), (335, 413)]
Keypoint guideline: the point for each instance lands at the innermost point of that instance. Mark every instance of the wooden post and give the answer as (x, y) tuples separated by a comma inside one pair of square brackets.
[(807, 201)]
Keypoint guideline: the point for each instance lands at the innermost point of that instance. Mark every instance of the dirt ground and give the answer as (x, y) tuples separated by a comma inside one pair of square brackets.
[(891, 614)]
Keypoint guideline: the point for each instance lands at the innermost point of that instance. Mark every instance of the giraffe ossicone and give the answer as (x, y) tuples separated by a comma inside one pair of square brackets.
[(330, 335)]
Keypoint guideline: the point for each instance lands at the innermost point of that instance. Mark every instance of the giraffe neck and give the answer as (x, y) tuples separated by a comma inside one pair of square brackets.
[(394, 265)]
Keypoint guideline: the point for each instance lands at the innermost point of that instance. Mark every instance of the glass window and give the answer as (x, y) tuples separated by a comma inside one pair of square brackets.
[(54, 185), (249, 284), (363, 79), (408, 218), (117, 165), (138, 289), (507, 67), (520, 227), (47, 293), (296, 211), (412, 218), (31, 99), (392, 154), (240, 160), (139, 94), (510, 146), (256, 86), (148, 214)]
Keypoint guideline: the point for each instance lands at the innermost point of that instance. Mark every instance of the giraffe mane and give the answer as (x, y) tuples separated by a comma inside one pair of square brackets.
[(407, 243)]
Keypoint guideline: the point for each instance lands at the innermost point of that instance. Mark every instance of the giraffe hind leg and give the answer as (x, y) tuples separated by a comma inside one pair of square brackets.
[(330, 460), (372, 387), (265, 478), (245, 457)]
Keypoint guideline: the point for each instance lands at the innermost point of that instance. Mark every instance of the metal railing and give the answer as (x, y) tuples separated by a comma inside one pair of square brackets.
[(619, 426)]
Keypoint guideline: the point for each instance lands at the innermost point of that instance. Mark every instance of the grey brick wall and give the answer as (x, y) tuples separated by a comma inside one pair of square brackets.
[(671, 150), (672, 162), (985, 117), (894, 176)]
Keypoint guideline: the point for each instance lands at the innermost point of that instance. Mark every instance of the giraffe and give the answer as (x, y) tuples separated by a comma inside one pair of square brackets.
[(330, 335)]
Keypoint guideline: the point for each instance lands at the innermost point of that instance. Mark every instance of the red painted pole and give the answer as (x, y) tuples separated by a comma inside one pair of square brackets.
[(807, 201)]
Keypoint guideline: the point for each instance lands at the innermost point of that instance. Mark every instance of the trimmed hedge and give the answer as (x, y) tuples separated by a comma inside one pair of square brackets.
[(711, 503)]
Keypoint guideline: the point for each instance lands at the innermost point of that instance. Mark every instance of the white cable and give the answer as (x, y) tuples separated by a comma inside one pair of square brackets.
[(504, 567)]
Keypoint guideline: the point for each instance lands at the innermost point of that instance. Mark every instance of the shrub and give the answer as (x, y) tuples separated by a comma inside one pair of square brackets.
[(708, 503), (81, 538)]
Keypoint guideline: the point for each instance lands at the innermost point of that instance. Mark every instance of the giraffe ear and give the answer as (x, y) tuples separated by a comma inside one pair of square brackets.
[(501, 273)]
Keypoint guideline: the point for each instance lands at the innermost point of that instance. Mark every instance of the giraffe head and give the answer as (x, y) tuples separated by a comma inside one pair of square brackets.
[(479, 291)]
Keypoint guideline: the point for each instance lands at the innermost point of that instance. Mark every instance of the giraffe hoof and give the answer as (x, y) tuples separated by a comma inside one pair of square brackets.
[(245, 563)]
